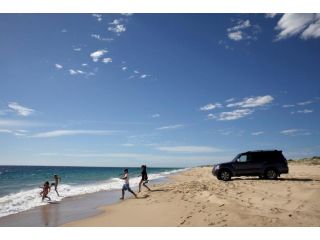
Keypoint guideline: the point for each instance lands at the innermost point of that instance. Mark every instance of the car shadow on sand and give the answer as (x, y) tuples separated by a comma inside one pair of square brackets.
[(278, 179)]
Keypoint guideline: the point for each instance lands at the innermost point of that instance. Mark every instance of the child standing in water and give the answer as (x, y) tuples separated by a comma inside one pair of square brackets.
[(144, 178), (126, 186), (45, 191), (57, 180)]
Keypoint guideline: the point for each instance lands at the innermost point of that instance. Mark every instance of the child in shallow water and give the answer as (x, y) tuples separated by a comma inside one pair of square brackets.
[(45, 191)]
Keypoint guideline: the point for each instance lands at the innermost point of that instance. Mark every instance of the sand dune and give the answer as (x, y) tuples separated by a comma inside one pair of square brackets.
[(196, 198)]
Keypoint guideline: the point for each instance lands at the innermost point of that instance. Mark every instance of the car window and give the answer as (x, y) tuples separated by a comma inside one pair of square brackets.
[(243, 158)]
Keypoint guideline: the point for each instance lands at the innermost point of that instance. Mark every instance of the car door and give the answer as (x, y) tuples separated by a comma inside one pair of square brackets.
[(242, 165), (257, 163)]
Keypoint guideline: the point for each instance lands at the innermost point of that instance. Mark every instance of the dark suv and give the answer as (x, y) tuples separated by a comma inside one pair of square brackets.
[(265, 164)]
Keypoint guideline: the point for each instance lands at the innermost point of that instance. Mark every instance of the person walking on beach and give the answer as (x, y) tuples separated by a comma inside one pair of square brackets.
[(126, 186), (57, 180), (144, 178), (45, 190)]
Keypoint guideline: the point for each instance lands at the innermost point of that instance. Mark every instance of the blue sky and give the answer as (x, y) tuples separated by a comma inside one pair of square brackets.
[(160, 89)]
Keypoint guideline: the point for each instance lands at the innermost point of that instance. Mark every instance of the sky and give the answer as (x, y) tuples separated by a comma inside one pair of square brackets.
[(166, 90)]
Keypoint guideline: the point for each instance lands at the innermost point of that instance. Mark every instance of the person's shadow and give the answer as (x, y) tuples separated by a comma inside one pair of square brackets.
[(45, 215), (158, 190)]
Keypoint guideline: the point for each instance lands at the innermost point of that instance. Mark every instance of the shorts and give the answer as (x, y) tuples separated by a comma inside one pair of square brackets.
[(125, 186)]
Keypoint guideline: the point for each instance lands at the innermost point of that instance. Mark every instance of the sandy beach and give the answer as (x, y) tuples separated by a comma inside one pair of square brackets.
[(196, 198)]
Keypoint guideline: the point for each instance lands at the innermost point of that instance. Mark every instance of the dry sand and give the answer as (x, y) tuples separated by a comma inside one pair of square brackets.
[(196, 198)]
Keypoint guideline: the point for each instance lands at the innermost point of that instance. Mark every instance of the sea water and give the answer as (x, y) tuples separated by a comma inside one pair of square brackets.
[(20, 186)]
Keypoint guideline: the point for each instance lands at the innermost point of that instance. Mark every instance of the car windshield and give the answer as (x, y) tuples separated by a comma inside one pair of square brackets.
[(236, 157)]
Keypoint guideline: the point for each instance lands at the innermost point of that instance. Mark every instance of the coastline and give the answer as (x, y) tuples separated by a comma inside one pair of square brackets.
[(67, 210), (196, 198)]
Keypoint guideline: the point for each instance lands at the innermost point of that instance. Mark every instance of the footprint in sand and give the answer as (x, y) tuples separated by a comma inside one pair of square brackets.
[(275, 210)]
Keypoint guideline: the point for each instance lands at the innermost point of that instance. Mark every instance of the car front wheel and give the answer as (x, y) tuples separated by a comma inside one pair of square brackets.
[(224, 175)]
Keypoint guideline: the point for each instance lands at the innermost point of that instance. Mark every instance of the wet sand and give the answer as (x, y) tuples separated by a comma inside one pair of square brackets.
[(69, 209), (196, 198)]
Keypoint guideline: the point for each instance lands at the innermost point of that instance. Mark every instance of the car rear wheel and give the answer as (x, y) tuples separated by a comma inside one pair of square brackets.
[(224, 175), (271, 174)]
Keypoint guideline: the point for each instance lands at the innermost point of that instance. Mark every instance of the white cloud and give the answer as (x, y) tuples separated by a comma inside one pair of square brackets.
[(61, 133), (210, 106), (64, 30), (211, 116), (97, 54), (230, 100), (289, 131), (20, 110), (5, 131), (295, 132), (136, 71), (144, 76), (233, 115), (126, 14), (72, 72), (165, 159), (189, 149), (17, 123), (98, 37), (257, 133), (313, 30), (58, 66), (76, 72), (77, 49), (270, 15), (156, 115), (97, 16), (107, 60), (243, 30), (117, 29), (115, 22), (171, 127), (304, 103), (253, 102), (240, 25), (288, 105), (236, 36), (124, 68), (84, 64), (17, 133), (305, 111), (307, 25)]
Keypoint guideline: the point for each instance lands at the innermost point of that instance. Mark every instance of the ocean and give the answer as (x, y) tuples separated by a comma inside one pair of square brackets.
[(20, 185)]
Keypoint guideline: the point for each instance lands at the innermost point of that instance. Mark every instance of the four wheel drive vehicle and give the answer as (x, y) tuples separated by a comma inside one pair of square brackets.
[(265, 164)]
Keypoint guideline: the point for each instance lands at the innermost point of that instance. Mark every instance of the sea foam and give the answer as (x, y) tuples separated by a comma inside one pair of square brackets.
[(27, 199)]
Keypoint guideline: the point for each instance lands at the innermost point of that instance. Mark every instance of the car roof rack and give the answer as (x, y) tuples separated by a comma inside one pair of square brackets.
[(272, 150)]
